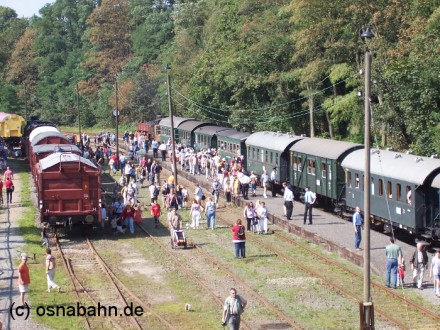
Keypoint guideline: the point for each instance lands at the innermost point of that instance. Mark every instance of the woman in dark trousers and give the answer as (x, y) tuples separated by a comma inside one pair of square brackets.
[(9, 189), (239, 239)]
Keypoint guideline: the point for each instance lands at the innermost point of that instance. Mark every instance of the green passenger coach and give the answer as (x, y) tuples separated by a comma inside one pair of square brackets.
[(231, 144), (268, 150), (165, 127), (316, 163)]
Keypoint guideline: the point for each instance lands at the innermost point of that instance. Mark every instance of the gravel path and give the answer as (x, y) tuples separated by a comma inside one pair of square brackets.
[(11, 247)]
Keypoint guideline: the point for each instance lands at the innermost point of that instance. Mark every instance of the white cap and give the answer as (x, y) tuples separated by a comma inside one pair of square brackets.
[(24, 256)]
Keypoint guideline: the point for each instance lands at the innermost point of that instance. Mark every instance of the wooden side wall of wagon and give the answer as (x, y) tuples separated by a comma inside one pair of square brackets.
[(69, 190)]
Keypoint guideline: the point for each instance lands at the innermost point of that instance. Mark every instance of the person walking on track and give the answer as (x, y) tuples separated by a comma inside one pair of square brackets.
[(233, 308)]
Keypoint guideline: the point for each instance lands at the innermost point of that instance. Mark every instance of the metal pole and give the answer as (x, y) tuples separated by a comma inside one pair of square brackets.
[(367, 184), (79, 115), (117, 119), (173, 143)]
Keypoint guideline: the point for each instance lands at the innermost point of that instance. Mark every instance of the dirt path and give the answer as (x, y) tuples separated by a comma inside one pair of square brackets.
[(11, 247)]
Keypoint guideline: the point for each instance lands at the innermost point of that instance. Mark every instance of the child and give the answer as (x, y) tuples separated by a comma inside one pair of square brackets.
[(155, 212), (401, 272), (45, 234)]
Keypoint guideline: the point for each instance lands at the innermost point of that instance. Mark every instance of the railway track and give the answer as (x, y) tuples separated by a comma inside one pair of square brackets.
[(286, 320), (391, 305), (83, 269), (84, 265)]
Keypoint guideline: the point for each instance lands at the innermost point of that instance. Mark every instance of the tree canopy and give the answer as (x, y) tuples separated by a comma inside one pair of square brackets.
[(285, 65)]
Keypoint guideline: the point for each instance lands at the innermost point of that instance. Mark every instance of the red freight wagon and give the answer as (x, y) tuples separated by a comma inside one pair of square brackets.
[(41, 151), (69, 190), (46, 138)]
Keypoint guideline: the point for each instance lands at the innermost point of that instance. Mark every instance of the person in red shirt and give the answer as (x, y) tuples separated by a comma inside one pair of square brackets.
[(155, 212), (9, 189), (24, 278), (239, 239), (9, 173), (128, 217)]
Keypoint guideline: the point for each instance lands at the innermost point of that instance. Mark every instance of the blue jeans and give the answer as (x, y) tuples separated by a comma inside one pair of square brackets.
[(210, 219), (130, 223), (358, 237), (391, 268), (240, 249)]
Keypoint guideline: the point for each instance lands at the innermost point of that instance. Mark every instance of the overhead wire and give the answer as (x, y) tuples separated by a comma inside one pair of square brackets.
[(262, 108)]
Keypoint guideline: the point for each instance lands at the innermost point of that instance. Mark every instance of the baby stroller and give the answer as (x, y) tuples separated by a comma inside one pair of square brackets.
[(178, 239)]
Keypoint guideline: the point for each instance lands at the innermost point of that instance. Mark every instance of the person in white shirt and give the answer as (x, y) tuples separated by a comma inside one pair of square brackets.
[(309, 200), (288, 200), (273, 178), (265, 182)]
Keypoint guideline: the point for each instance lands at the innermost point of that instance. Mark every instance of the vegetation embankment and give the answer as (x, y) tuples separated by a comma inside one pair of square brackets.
[(288, 65)]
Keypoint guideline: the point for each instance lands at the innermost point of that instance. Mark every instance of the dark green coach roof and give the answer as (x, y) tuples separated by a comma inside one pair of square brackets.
[(177, 121), (391, 164), (272, 140), (330, 149), (232, 133)]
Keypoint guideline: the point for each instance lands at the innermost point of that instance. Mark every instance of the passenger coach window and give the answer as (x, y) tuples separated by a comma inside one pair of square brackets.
[(356, 180), (408, 195), (372, 186), (323, 170), (295, 163), (271, 157), (398, 192), (265, 156), (348, 178), (380, 187), (276, 159), (389, 190), (311, 167), (299, 164)]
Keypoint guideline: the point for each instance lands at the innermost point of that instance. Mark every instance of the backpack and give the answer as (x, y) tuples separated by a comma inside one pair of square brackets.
[(240, 231)]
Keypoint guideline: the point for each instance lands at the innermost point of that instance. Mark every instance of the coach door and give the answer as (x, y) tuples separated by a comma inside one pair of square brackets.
[(284, 167)]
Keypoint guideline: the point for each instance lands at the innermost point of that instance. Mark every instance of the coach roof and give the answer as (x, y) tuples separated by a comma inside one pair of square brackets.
[(58, 157), (209, 130), (177, 121), (272, 140), (42, 129), (391, 164), (44, 135), (55, 148), (331, 149), (191, 125), (234, 134)]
